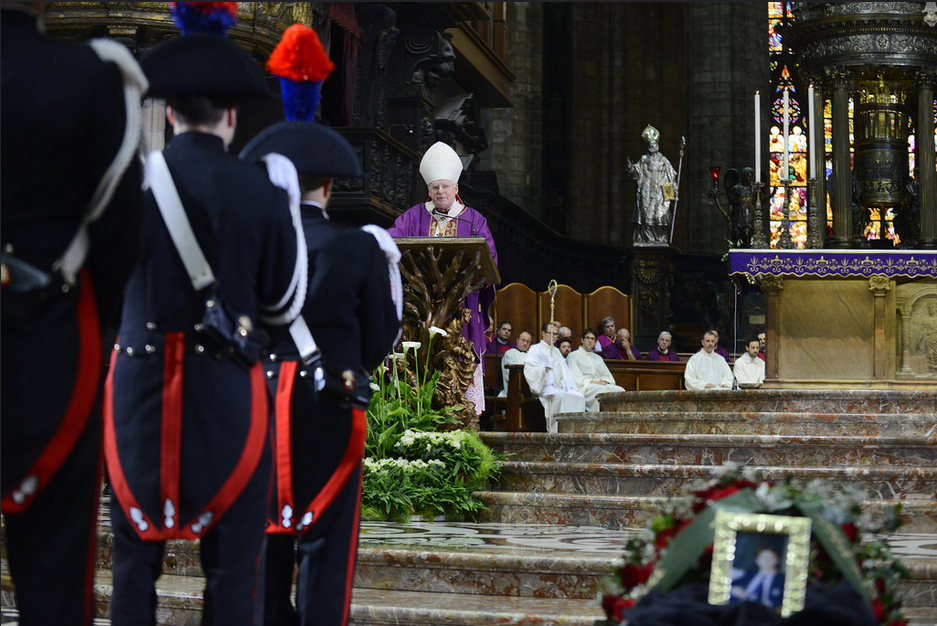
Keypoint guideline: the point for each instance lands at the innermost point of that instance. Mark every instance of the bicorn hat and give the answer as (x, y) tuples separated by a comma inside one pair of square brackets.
[(440, 162), (203, 62), (314, 149)]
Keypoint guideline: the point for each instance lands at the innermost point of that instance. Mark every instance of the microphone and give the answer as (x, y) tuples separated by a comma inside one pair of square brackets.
[(439, 213)]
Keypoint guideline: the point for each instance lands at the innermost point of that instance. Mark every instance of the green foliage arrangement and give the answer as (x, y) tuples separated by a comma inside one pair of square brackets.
[(409, 468)]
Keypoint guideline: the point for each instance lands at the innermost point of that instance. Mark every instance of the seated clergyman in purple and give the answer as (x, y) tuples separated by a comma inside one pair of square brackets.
[(663, 351)]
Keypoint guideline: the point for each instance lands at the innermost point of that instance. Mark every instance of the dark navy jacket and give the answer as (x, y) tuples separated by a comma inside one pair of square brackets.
[(185, 425), (353, 319), (62, 118)]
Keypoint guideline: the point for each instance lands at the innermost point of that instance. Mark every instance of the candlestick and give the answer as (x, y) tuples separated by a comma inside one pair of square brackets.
[(757, 136), (785, 173), (811, 133)]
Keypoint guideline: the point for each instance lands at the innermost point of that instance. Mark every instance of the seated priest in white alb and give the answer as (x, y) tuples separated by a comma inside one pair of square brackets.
[(514, 356), (706, 369), (590, 371), (549, 378), (749, 368)]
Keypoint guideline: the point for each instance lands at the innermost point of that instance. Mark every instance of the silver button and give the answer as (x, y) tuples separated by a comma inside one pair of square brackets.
[(150, 349), (199, 348), (151, 325), (273, 357), (117, 347), (270, 374), (130, 351)]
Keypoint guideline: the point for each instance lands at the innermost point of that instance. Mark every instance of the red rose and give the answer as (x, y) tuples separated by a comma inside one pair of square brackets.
[(718, 492), (878, 610), (851, 532), (615, 605), (628, 575), (632, 575), (664, 537)]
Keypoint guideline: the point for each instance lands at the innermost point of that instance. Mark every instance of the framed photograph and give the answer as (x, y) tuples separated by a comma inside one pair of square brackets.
[(760, 558)]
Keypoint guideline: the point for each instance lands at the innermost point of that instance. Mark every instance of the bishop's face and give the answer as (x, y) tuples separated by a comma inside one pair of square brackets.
[(442, 193)]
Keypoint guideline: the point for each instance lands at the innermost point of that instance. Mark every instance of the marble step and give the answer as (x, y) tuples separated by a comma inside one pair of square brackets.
[(418, 608), (738, 420), (617, 512), (547, 576), (469, 569), (539, 574), (880, 482), (821, 401), (180, 604), (714, 449)]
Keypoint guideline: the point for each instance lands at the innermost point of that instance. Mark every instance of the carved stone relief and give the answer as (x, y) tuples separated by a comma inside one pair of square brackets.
[(917, 312)]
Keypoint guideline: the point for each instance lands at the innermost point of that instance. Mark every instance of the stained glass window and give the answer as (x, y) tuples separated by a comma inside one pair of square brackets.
[(789, 148), (781, 63)]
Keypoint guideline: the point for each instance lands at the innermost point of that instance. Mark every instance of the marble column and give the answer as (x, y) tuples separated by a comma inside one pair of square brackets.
[(842, 170), (771, 286), (816, 190), (924, 157), (879, 286)]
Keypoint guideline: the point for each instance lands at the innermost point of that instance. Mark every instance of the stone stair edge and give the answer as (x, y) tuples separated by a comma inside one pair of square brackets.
[(705, 471), (417, 607), (437, 558), (749, 414), (491, 561), (816, 394), (578, 500), (713, 439)]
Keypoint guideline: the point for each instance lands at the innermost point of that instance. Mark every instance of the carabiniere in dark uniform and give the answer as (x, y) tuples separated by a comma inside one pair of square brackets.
[(320, 435), (64, 116), (187, 416)]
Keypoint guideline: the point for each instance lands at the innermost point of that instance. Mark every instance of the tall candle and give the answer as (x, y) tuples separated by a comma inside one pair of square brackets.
[(785, 174), (757, 136), (811, 133)]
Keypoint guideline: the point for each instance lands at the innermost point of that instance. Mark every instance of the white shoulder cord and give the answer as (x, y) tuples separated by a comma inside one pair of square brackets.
[(392, 254), (135, 84), (282, 173)]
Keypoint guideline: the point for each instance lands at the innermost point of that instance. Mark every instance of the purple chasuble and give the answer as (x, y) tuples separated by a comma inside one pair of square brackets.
[(416, 222)]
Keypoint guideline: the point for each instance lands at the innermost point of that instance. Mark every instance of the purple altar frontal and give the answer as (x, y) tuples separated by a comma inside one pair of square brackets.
[(834, 263)]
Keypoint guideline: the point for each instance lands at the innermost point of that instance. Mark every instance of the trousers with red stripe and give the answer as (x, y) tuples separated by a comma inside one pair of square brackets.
[(315, 502)]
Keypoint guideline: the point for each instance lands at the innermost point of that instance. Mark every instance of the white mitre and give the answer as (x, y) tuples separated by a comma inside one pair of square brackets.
[(440, 163)]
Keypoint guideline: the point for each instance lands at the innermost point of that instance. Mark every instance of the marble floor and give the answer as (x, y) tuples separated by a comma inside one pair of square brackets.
[(551, 539), (495, 538)]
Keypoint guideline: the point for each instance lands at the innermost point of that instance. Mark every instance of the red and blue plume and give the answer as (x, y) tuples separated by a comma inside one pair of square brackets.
[(204, 17), (301, 63)]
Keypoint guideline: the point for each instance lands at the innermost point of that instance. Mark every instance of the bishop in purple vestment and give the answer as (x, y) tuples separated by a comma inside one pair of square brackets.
[(444, 215)]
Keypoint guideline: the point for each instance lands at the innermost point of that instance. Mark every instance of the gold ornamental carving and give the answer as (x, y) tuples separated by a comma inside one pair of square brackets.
[(771, 283), (438, 275), (879, 286), (140, 25)]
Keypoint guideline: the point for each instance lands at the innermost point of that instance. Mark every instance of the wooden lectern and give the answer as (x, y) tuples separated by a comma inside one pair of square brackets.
[(438, 274)]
